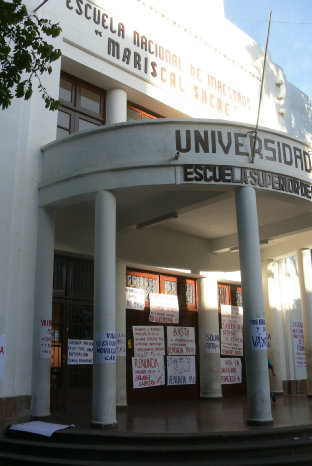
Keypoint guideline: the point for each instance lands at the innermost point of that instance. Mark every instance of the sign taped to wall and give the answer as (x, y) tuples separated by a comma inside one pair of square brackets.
[(164, 308), (298, 339), (231, 371), (45, 338), (148, 372), (232, 330), (79, 352), (135, 299), (105, 347), (181, 341), (181, 370), (212, 343), (148, 341), (258, 334)]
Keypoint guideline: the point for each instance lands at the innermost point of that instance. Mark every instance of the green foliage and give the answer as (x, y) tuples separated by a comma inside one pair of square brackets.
[(24, 54)]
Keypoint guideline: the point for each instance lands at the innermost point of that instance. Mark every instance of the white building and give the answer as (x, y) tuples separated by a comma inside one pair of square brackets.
[(162, 188)]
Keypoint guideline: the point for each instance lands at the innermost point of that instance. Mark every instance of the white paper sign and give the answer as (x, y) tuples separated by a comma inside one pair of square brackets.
[(231, 371), (258, 334), (212, 343), (148, 341), (148, 372), (181, 370), (2, 355), (181, 341), (121, 344), (232, 330), (298, 339), (135, 298), (79, 352), (164, 308), (39, 427), (105, 347), (45, 338)]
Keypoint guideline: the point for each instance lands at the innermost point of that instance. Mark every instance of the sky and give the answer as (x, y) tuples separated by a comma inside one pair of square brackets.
[(290, 40)]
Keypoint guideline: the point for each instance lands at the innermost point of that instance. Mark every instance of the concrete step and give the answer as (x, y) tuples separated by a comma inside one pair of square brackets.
[(91, 447)]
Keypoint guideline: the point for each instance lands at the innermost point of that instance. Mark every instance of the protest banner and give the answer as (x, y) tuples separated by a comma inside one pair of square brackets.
[(164, 308), (135, 298), (105, 347), (298, 340), (148, 341), (79, 352), (231, 371), (45, 338), (181, 370), (181, 341), (148, 372)]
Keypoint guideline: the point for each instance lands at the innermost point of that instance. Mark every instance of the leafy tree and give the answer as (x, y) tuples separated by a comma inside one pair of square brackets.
[(24, 54)]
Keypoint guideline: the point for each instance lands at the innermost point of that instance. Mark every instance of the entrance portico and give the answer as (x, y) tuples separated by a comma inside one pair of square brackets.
[(146, 172)]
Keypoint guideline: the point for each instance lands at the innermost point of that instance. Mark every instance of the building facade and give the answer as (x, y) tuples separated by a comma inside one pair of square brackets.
[(154, 243)]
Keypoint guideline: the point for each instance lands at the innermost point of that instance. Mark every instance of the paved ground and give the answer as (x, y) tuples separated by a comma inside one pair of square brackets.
[(202, 416)]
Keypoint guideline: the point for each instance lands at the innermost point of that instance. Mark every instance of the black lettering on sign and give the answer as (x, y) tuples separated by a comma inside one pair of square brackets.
[(240, 175)]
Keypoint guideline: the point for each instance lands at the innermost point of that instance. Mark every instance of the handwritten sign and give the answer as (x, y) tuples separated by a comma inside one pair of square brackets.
[(45, 338), (164, 308), (105, 347), (232, 330), (298, 340), (121, 344), (79, 352), (135, 298), (212, 343), (258, 334), (181, 370), (181, 340), (148, 341), (2, 355), (231, 371), (148, 372)]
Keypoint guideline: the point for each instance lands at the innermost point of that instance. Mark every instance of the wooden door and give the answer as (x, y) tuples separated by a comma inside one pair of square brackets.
[(186, 291)]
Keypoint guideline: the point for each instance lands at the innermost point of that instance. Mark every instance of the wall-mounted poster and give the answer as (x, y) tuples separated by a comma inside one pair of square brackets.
[(79, 352), (212, 343), (45, 338), (105, 347), (148, 372), (164, 308), (231, 330), (121, 344), (231, 371), (181, 370), (181, 341), (135, 298), (298, 339), (148, 341), (258, 334)]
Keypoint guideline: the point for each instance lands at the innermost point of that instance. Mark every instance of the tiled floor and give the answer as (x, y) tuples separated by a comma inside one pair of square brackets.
[(202, 416)]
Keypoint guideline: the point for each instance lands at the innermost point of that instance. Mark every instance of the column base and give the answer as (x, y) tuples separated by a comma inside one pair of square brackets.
[(260, 422), (100, 425)]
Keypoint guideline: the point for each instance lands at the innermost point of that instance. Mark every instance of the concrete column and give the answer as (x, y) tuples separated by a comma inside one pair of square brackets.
[(258, 390), (209, 338), (305, 280), (104, 362), (121, 380), (116, 106), (41, 370), (272, 304)]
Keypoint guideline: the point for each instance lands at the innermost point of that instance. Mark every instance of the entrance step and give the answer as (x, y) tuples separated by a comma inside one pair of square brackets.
[(269, 447)]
